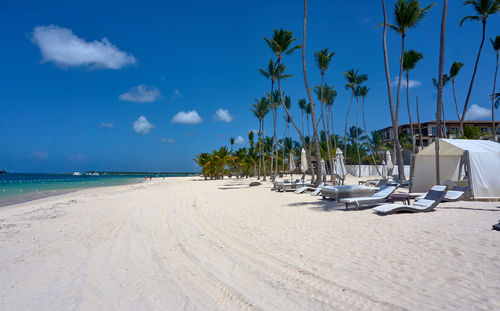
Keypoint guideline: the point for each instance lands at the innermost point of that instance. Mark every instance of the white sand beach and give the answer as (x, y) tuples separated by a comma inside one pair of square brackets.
[(189, 244)]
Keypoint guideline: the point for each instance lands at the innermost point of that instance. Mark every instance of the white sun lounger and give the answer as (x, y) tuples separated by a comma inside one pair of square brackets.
[(289, 186), (346, 191), (378, 197), (455, 194), (309, 188), (428, 203)]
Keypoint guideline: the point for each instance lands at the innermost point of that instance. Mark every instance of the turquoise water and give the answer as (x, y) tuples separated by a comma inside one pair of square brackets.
[(16, 187)]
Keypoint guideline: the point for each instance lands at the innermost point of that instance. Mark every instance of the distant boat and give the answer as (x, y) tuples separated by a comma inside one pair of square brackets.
[(3, 171), (92, 173), (77, 174)]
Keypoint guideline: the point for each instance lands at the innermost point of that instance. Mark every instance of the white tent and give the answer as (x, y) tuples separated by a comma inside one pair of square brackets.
[(478, 160)]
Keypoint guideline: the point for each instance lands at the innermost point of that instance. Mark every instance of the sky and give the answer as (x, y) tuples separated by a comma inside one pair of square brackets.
[(146, 85)]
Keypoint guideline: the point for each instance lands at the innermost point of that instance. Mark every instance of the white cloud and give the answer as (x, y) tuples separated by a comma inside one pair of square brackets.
[(141, 94), (223, 115), (104, 125), (239, 140), (79, 157), (167, 140), (142, 126), (477, 112), (61, 46), (411, 84), (177, 94), (41, 155), (187, 117)]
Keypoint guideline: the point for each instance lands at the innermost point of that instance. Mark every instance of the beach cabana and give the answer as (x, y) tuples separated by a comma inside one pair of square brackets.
[(478, 161)]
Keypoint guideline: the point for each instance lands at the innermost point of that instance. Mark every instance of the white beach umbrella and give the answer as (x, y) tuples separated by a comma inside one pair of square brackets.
[(303, 161), (323, 168), (339, 165), (291, 163), (388, 163)]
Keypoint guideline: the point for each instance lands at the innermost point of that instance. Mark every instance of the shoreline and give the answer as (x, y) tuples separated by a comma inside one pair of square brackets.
[(33, 196)]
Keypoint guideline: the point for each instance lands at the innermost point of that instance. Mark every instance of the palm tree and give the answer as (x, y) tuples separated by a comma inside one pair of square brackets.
[(288, 105), (203, 160), (231, 142), (274, 100), (353, 80), (308, 113), (363, 92), (407, 14), (302, 106), (410, 60), (483, 10), (496, 46), (446, 79), (440, 87), (419, 125), (323, 59), (281, 44), (260, 109), (455, 68), (272, 73), (306, 84), (395, 126), (329, 96), (357, 94)]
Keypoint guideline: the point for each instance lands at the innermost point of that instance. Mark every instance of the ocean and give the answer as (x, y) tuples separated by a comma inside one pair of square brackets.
[(20, 187)]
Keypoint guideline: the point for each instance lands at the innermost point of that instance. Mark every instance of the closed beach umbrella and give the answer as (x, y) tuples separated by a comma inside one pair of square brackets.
[(323, 168), (388, 163), (339, 165), (291, 163), (303, 161)]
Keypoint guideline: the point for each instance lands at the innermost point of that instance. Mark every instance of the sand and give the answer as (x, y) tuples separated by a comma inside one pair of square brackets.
[(189, 244)]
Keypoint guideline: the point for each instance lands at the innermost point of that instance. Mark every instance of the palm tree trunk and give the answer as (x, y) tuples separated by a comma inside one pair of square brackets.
[(326, 128), (313, 113), (366, 133), (395, 126), (274, 140), (494, 133), (302, 112), (440, 87), (412, 133), (357, 137), (455, 98), (419, 126), (260, 148), (283, 151), (400, 75), (445, 132), (275, 143), (333, 130), (263, 154), (460, 128), (346, 120)]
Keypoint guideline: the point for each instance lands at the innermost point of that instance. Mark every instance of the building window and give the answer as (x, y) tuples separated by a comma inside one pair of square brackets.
[(484, 130), (433, 131)]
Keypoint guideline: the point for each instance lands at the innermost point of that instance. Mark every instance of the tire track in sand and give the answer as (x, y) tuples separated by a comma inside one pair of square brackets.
[(307, 284), (202, 289)]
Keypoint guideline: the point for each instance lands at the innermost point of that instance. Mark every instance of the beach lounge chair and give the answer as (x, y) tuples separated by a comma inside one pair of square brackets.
[(289, 186), (456, 193), (346, 191), (309, 188), (428, 203), (378, 197)]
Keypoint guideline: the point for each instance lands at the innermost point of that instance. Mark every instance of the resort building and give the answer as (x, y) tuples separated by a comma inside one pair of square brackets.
[(428, 130)]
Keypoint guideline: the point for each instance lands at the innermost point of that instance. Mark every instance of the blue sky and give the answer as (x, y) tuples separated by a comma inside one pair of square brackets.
[(97, 85)]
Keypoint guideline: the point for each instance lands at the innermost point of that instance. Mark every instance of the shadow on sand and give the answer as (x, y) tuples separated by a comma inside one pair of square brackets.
[(329, 206)]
